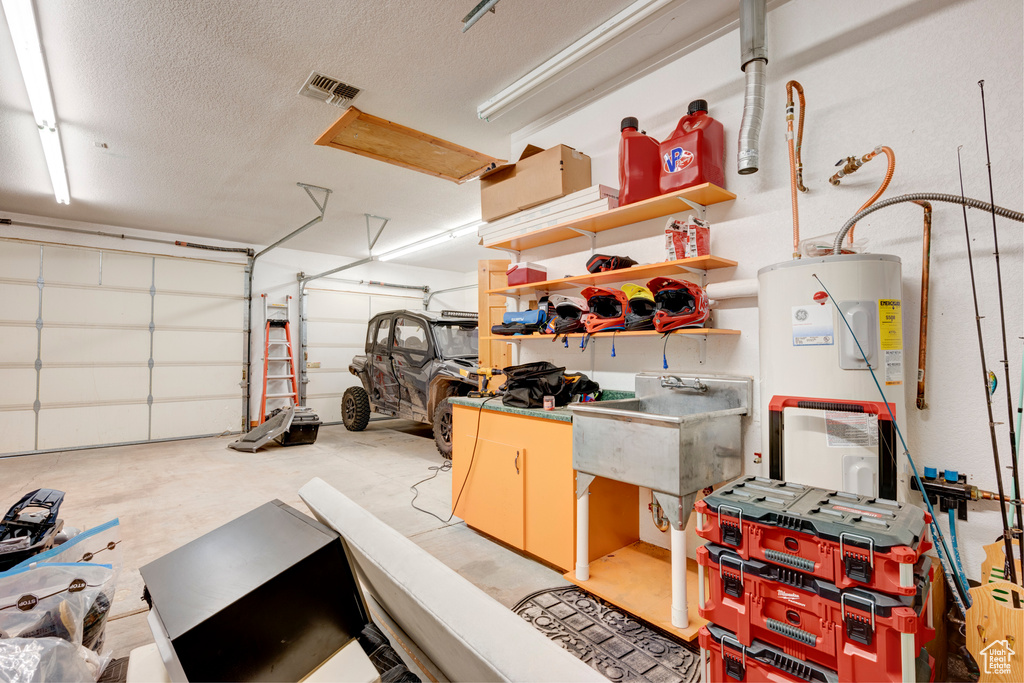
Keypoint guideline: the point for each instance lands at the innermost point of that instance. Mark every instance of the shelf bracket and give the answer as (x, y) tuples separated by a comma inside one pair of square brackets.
[(698, 271), (515, 254), (699, 208), (587, 233)]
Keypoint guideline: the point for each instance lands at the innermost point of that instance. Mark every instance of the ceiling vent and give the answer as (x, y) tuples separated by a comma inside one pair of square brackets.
[(329, 90)]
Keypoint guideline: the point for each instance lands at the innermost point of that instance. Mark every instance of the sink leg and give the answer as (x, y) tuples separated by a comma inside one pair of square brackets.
[(583, 537), (680, 616)]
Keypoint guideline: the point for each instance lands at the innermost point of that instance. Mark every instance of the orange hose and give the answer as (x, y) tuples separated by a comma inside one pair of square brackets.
[(891, 155), (795, 164)]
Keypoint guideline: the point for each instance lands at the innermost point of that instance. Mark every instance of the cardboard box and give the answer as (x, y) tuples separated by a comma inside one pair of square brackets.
[(539, 176)]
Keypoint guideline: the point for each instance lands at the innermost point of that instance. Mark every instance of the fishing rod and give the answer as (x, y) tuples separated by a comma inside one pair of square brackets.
[(1002, 322), (1009, 566)]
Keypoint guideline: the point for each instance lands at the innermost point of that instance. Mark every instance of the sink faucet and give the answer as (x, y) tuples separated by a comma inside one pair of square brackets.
[(674, 382)]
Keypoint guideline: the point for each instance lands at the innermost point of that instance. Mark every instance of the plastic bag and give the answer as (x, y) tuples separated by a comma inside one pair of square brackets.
[(100, 544), (822, 245), (47, 660), (69, 601)]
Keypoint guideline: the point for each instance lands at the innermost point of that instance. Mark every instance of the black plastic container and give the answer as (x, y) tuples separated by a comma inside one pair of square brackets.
[(305, 427)]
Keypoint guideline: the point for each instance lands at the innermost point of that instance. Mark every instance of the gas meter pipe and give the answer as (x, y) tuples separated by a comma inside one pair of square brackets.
[(837, 246)]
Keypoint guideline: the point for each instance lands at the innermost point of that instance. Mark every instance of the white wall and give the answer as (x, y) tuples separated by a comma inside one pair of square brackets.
[(275, 273), (899, 73)]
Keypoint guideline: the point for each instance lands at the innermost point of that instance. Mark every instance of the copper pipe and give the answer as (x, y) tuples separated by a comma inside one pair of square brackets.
[(891, 156), (922, 344), (796, 167)]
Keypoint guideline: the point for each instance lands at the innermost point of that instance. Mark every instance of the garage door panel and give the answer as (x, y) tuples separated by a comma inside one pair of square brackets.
[(75, 266), (126, 270), (19, 261), (19, 429), (80, 385), (92, 425), (179, 346), (343, 305), (319, 332), (333, 358), (380, 304), (94, 345), (327, 409), (198, 276), (18, 344), (17, 387), (179, 381), (21, 301), (95, 306), (191, 418), (196, 311)]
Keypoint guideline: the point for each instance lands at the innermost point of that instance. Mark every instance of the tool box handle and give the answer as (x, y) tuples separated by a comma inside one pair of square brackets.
[(854, 627), (730, 664)]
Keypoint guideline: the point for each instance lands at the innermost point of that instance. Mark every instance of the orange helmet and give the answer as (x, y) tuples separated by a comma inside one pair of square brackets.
[(679, 304), (608, 308)]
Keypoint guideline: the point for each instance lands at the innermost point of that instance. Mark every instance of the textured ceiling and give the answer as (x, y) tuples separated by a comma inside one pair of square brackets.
[(206, 136)]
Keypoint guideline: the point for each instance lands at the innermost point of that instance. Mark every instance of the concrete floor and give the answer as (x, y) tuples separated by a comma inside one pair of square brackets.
[(167, 494)]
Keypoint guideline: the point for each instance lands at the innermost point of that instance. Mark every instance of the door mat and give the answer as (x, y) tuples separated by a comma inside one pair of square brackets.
[(616, 644)]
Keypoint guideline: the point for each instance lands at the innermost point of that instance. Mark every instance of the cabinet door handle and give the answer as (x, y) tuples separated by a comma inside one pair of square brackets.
[(517, 462)]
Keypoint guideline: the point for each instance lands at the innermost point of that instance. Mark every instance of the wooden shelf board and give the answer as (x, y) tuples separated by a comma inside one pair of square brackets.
[(638, 578), (618, 335), (654, 207), (641, 272)]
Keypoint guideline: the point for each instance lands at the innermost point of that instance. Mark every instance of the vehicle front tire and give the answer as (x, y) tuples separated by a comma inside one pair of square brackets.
[(355, 409), (443, 428)]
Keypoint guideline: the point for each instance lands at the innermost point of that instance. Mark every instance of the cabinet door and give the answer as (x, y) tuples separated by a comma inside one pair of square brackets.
[(492, 498)]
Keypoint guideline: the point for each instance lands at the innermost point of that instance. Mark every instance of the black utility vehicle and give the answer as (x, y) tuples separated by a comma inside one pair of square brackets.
[(411, 367)]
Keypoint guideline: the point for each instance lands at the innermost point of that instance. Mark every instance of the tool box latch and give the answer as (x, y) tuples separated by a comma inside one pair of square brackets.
[(735, 668), (859, 629), (731, 585), (732, 532), (856, 566)]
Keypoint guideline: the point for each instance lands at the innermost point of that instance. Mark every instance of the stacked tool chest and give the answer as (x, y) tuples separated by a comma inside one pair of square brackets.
[(806, 584)]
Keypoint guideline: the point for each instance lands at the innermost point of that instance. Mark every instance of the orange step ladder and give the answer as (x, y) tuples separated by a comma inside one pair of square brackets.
[(278, 368)]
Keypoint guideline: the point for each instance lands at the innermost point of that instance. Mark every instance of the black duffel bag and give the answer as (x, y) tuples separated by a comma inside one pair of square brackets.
[(526, 385)]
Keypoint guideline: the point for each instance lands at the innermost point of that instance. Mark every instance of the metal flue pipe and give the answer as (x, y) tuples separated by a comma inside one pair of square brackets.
[(753, 62)]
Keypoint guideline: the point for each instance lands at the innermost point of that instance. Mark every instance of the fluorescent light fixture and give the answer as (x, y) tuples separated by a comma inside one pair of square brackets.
[(434, 241), (569, 57), (21, 20)]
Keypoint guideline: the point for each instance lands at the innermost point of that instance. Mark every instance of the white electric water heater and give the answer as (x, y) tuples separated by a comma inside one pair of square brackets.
[(823, 421)]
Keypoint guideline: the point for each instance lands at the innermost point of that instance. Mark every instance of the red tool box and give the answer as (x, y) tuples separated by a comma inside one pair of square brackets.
[(724, 659), (861, 634), (843, 538)]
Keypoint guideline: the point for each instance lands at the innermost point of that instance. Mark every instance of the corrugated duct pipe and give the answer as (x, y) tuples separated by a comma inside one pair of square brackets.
[(753, 62)]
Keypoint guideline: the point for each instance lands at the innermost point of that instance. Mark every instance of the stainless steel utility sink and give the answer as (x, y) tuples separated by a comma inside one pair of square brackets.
[(680, 434)]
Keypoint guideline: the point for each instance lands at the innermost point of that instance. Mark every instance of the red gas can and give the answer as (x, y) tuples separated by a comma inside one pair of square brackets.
[(695, 153), (639, 168)]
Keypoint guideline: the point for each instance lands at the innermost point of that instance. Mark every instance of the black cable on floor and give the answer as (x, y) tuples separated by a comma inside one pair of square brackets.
[(447, 466)]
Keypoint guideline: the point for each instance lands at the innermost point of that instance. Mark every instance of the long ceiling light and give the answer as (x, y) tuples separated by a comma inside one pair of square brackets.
[(434, 241), (21, 20), (570, 56)]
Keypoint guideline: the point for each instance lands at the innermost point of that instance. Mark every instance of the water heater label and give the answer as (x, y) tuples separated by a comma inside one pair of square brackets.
[(890, 324), (849, 430), (812, 325), (893, 367)]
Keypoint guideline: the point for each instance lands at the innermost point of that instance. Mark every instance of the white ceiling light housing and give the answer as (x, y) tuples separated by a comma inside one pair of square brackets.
[(21, 20), (553, 68), (434, 241)]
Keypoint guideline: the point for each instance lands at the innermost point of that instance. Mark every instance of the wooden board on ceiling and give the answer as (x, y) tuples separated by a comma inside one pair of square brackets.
[(380, 139)]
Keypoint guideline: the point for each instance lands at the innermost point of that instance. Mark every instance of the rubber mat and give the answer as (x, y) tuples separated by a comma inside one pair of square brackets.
[(614, 643), (116, 671)]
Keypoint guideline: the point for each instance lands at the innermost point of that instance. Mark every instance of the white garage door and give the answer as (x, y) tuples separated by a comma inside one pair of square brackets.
[(105, 347), (336, 330)]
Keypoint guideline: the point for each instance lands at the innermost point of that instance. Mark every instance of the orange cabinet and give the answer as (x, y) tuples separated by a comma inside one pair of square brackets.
[(521, 487)]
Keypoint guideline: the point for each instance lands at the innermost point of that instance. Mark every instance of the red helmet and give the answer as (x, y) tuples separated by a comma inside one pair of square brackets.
[(608, 308), (679, 304)]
